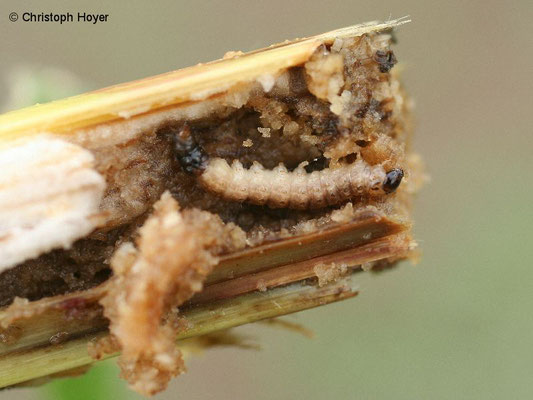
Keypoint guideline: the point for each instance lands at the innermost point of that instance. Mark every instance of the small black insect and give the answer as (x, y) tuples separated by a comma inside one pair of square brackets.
[(393, 180), (188, 153), (385, 59)]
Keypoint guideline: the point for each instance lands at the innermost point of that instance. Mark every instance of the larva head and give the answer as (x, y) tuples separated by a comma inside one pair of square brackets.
[(392, 180)]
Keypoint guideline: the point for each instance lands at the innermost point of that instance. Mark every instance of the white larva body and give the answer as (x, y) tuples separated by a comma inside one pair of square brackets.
[(279, 188)]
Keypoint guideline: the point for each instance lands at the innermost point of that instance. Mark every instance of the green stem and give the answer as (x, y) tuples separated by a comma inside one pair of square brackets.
[(33, 363)]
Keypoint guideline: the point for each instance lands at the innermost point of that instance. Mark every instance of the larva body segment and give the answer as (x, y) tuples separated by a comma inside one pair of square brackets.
[(299, 189), (239, 182), (279, 188), (329, 187), (315, 196), (344, 185), (259, 189)]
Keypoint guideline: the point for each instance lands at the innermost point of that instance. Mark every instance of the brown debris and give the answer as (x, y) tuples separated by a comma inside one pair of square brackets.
[(19, 310), (329, 273), (10, 335), (175, 252), (325, 75), (99, 348)]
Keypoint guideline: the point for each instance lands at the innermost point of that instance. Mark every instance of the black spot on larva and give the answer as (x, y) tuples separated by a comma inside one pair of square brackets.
[(385, 59), (317, 164), (362, 143), (188, 153), (393, 180)]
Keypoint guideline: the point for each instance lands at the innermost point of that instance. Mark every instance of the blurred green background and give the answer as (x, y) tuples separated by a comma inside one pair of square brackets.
[(458, 324)]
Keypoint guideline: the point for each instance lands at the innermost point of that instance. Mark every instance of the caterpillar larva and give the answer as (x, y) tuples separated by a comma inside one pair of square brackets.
[(279, 188)]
